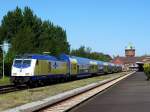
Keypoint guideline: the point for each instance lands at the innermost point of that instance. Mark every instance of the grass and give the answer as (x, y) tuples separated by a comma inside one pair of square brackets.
[(4, 81), (14, 99)]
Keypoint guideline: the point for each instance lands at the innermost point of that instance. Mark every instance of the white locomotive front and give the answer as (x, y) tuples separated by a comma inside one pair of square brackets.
[(23, 67)]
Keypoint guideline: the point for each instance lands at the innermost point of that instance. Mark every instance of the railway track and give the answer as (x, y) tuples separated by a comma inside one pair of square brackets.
[(69, 99), (11, 88), (69, 103)]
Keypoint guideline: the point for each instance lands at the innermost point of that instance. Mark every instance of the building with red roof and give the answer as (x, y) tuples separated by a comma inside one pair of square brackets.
[(130, 61)]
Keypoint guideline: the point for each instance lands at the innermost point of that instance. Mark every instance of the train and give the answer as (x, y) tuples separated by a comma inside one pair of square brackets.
[(33, 69)]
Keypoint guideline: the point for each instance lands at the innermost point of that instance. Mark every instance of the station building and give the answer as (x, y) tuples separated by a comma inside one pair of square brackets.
[(130, 61)]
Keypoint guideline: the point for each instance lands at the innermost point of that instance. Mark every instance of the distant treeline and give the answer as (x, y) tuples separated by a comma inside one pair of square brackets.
[(27, 33), (87, 53)]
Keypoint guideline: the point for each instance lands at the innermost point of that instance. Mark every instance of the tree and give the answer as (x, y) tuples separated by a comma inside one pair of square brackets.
[(23, 41), (27, 33), (47, 36), (11, 23), (86, 52)]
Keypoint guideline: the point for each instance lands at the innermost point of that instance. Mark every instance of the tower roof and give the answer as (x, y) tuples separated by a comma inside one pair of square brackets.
[(130, 46)]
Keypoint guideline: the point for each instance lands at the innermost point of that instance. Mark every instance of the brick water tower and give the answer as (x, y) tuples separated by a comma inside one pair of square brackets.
[(130, 51)]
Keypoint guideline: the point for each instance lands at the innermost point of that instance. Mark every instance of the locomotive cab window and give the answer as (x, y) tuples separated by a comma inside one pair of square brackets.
[(17, 62), (27, 62)]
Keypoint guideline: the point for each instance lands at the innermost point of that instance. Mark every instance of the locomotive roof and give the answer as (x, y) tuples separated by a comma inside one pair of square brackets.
[(37, 56), (44, 57)]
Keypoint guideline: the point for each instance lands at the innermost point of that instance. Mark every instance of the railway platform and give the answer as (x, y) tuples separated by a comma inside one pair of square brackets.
[(129, 95)]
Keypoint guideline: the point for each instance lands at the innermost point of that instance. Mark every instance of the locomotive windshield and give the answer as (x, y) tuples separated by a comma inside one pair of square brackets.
[(19, 62), (26, 62)]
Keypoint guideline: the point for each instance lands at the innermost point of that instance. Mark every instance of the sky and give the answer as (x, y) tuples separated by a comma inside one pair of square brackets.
[(104, 25)]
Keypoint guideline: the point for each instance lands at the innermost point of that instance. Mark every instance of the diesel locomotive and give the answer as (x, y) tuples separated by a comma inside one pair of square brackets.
[(36, 68)]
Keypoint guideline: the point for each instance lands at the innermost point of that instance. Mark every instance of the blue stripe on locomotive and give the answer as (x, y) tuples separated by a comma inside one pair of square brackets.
[(44, 57), (33, 56), (36, 56)]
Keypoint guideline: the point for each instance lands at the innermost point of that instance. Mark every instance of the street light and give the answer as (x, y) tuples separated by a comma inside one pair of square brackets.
[(5, 47)]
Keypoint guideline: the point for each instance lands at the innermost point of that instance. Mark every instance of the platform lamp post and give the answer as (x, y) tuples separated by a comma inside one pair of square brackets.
[(5, 47)]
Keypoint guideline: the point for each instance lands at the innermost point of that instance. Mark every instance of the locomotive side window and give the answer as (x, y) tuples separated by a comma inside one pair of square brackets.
[(37, 62), (49, 64)]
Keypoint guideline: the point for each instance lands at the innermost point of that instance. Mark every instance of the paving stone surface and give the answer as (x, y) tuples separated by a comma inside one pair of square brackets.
[(130, 95)]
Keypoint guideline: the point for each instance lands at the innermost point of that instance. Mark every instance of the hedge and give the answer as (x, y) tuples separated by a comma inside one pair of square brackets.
[(147, 70)]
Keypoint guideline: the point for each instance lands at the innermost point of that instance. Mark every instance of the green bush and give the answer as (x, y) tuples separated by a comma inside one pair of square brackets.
[(147, 70), (5, 81)]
